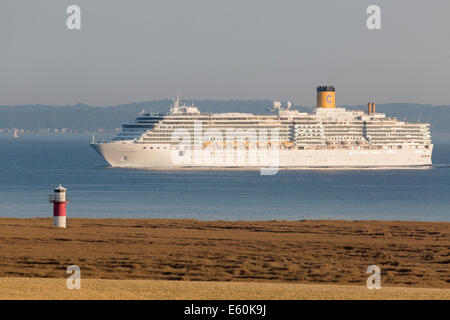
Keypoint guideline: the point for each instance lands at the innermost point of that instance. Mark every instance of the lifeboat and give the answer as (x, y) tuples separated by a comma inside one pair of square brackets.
[(288, 144), (207, 143), (221, 144), (261, 144)]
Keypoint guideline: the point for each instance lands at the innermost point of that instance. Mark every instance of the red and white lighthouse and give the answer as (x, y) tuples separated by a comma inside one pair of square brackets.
[(59, 206)]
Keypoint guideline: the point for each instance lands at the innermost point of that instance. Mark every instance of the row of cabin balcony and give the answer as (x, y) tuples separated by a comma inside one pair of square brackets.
[(205, 127), (169, 133)]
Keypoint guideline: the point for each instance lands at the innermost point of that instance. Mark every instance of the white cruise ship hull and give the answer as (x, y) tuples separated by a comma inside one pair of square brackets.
[(134, 155)]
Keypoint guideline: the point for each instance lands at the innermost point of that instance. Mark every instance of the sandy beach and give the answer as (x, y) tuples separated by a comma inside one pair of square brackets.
[(411, 255), (102, 289)]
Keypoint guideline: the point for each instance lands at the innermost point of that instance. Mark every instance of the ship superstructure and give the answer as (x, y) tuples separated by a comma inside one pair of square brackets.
[(328, 137)]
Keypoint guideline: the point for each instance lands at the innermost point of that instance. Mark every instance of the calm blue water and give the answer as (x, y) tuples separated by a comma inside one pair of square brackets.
[(33, 164)]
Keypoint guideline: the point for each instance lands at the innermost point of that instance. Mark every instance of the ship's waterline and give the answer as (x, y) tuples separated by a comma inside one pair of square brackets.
[(328, 138)]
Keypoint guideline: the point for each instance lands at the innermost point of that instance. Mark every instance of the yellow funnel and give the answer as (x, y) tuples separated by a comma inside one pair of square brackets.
[(326, 97)]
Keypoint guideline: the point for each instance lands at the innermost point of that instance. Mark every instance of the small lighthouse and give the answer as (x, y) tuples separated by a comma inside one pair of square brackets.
[(59, 206)]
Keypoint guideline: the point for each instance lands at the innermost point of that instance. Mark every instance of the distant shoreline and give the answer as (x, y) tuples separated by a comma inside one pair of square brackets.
[(84, 118)]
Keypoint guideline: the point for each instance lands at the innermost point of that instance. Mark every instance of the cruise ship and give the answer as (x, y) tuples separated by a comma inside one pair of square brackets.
[(329, 137)]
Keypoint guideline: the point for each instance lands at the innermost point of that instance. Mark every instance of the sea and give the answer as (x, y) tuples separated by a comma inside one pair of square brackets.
[(33, 164)]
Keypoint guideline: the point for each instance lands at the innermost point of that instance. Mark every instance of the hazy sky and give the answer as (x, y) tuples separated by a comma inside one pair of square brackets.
[(143, 50)]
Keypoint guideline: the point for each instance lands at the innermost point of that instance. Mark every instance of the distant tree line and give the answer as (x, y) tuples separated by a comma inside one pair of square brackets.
[(82, 117)]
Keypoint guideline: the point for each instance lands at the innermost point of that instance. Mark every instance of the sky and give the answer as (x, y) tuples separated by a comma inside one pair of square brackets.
[(129, 51)]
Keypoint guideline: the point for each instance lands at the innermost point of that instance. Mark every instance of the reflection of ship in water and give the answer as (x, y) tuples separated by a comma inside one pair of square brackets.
[(15, 135)]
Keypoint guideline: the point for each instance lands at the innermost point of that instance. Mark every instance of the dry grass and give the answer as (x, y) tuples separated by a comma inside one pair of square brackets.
[(39, 288), (410, 254)]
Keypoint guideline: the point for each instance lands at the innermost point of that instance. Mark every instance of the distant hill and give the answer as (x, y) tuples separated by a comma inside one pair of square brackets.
[(82, 117)]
